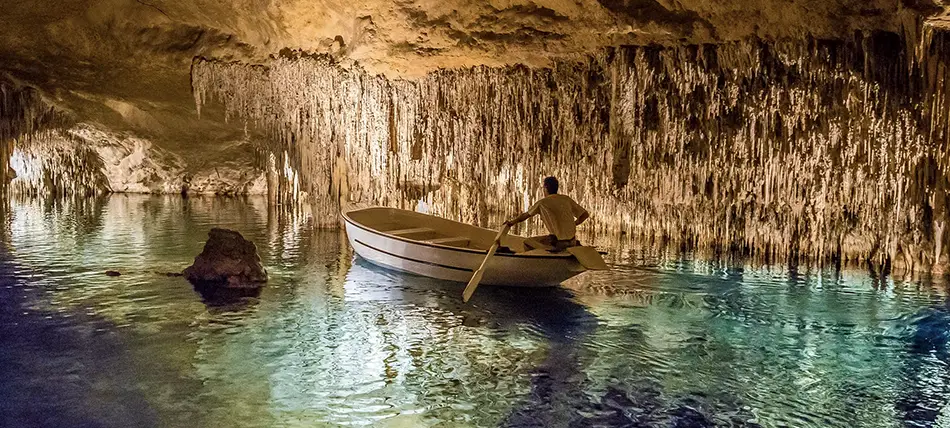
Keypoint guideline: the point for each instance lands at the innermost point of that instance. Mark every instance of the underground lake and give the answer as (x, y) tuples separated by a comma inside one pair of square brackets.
[(659, 340)]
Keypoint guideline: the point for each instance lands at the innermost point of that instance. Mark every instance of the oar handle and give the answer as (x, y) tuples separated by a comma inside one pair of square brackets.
[(501, 233), (477, 276)]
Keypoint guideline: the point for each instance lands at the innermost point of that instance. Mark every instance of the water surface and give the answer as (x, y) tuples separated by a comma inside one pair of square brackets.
[(334, 341)]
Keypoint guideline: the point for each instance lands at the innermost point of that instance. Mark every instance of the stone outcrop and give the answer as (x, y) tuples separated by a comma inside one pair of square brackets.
[(227, 261)]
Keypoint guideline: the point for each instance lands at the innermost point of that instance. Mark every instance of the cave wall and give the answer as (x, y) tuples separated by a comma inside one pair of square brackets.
[(23, 114), (83, 160), (779, 148), (49, 151)]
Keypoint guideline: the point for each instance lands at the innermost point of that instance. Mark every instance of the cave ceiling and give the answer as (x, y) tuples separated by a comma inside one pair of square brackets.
[(124, 64)]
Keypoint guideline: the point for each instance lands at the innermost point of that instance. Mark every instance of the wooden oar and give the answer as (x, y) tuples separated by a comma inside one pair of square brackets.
[(477, 277), (589, 257)]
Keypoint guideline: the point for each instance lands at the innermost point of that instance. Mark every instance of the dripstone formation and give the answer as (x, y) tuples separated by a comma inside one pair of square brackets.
[(785, 130), (786, 150)]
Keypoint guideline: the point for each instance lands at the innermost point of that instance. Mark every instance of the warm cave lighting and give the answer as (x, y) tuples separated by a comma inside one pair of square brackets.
[(522, 213)]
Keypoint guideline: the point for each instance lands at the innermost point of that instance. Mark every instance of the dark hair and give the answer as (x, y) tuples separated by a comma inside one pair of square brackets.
[(550, 184)]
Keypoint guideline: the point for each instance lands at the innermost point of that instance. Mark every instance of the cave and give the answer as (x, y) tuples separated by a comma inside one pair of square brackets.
[(763, 187)]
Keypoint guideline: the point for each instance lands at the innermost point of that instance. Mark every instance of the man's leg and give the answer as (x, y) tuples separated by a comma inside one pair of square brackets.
[(563, 245)]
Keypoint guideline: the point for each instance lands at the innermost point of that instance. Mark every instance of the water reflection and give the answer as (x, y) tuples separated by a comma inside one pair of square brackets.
[(333, 340)]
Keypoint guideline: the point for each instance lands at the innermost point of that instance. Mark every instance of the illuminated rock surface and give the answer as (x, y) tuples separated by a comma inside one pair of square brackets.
[(782, 129), (820, 149)]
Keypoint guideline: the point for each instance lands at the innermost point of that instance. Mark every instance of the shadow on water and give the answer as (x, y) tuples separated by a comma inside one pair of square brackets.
[(923, 398), (560, 393), (547, 312), (38, 390), (227, 298)]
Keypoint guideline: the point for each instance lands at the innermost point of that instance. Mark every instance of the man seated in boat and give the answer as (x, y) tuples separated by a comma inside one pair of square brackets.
[(560, 214)]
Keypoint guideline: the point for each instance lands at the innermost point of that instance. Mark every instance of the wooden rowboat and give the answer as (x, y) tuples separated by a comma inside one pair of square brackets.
[(432, 246)]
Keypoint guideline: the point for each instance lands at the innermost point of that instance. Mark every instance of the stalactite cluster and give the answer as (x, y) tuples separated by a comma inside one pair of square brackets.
[(55, 163), (814, 149), (23, 113)]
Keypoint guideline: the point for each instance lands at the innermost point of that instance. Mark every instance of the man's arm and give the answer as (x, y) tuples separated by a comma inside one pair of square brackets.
[(532, 211), (581, 218), (513, 221), (518, 219), (580, 214)]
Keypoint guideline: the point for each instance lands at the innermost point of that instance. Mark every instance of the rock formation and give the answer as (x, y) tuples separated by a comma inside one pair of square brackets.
[(819, 148), (227, 261), (86, 159), (784, 129)]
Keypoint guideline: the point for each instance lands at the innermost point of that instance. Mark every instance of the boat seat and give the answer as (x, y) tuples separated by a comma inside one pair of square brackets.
[(449, 241), (410, 231)]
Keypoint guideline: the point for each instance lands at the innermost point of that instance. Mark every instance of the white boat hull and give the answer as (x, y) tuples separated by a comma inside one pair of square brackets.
[(458, 264)]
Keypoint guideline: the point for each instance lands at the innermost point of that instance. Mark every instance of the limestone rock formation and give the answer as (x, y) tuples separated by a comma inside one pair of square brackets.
[(815, 149), (124, 64), (85, 159), (227, 261), (778, 127)]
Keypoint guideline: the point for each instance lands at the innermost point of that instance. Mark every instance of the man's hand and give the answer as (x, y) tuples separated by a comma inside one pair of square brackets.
[(505, 226)]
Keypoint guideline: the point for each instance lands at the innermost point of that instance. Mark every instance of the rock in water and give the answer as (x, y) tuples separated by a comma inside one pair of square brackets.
[(229, 261)]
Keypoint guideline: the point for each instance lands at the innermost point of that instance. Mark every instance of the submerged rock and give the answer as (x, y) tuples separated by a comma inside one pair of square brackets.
[(113, 273), (227, 261)]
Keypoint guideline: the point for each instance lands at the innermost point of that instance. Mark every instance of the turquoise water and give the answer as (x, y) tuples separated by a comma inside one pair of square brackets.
[(334, 341)]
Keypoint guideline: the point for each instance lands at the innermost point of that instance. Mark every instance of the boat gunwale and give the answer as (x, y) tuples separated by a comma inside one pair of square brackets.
[(349, 220)]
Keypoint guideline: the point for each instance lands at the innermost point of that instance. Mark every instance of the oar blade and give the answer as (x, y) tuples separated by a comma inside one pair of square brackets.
[(589, 257), (472, 285)]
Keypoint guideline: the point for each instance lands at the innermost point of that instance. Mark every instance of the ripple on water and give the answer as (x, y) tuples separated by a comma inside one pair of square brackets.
[(335, 341)]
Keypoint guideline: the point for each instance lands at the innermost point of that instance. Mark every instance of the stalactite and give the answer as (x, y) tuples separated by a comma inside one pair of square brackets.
[(811, 149), (23, 113), (55, 163)]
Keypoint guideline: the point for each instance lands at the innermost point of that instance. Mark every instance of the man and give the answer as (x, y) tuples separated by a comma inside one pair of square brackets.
[(560, 214)]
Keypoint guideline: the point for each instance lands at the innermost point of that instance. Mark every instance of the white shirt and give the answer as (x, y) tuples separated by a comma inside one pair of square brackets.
[(558, 212)]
